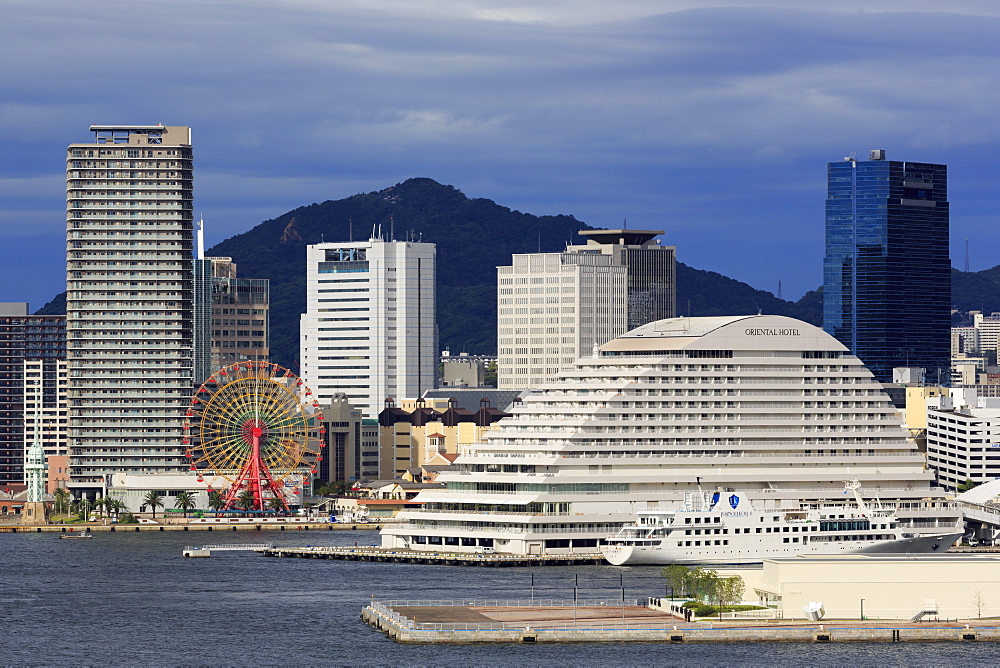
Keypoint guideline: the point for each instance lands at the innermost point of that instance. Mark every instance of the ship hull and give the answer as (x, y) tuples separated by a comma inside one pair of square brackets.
[(634, 555)]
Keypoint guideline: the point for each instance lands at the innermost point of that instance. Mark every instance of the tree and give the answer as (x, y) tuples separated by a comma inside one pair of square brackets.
[(334, 488), (61, 495), (185, 501), (275, 503), (967, 485), (116, 506), (152, 500), (978, 603), (705, 583), (215, 500), (731, 590), (678, 578), (246, 500), (100, 504)]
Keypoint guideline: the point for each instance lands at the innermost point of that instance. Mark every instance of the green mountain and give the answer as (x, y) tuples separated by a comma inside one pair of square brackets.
[(473, 237)]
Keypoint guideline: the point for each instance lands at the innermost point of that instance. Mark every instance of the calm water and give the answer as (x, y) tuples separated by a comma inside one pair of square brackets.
[(131, 599)]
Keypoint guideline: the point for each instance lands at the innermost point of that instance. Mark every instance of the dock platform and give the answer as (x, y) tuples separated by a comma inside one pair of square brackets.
[(441, 558), (535, 621)]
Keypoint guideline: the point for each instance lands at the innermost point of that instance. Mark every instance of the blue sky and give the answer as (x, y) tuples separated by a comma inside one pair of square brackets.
[(712, 120)]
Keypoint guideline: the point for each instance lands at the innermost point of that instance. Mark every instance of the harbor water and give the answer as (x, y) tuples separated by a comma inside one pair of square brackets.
[(132, 599)]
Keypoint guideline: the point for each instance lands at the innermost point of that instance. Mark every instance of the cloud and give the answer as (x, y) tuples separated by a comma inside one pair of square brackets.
[(694, 115)]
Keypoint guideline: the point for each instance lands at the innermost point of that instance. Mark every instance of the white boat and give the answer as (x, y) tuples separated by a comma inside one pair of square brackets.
[(82, 533), (725, 528)]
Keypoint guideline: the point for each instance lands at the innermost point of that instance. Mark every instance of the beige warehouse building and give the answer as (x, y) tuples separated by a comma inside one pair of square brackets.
[(885, 587)]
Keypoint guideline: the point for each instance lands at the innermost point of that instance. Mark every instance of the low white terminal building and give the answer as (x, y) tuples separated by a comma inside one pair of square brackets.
[(892, 587)]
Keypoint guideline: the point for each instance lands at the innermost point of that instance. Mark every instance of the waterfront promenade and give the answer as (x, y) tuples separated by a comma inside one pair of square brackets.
[(94, 527)]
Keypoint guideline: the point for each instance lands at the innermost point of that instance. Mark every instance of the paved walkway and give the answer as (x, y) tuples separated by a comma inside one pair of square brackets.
[(540, 617)]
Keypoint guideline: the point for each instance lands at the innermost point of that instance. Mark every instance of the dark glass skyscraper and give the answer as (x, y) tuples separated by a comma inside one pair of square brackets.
[(887, 274)]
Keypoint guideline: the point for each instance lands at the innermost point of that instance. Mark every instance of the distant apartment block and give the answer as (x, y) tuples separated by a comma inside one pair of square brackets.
[(46, 413), (964, 341), (963, 443), (28, 343), (369, 328), (129, 315)]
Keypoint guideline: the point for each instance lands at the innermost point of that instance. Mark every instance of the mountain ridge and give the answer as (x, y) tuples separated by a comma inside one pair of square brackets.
[(422, 209)]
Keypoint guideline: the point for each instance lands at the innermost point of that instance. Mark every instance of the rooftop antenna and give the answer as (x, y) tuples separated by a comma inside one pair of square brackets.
[(201, 239), (322, 238), (966, 255), (392, 228), (624, 223), (539, 239), (350, 229), (779, 289)]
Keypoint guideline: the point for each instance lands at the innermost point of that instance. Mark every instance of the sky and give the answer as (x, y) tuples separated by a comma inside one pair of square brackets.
[(710, 119)]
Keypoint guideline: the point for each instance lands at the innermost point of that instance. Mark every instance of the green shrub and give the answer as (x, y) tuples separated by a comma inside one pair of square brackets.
[(705, 610)]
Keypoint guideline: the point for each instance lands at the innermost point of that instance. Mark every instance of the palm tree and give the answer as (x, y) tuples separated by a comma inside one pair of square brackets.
[(117, 506), (215, 500), (61, 495), (99, 504), (185, 501), (152, 500), (246, 500), (276, 504)]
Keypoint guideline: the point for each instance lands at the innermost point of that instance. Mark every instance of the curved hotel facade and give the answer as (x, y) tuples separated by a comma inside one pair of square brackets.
[(766, 405)]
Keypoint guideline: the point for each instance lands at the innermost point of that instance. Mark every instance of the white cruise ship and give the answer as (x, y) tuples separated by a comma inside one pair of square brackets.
[(726, 529), (768, 405)]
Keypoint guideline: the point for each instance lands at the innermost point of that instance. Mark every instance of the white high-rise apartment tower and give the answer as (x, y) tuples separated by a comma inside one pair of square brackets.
[(128, 300), (369, 328)]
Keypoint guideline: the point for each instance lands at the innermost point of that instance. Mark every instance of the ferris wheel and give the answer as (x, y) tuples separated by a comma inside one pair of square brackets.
[(256, 425)]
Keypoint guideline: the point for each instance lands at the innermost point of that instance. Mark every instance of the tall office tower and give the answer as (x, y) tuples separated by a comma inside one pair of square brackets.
[(23, 338), (652, 270), (369, 329), (887, 275), (128, 300), (231, 317)]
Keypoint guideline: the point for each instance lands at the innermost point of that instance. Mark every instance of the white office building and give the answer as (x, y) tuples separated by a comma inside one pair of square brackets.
[(128, 301), (369, 328), (766, 405), (553, 308)]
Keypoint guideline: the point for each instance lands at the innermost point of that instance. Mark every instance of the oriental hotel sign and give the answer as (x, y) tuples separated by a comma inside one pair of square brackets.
[(784, 331)]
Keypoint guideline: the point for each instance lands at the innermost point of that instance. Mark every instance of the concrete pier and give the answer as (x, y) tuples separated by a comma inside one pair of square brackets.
[(535, 622), (440, 558)]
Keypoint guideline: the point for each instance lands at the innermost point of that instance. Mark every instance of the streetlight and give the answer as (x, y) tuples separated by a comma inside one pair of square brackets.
[(862, 609)]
